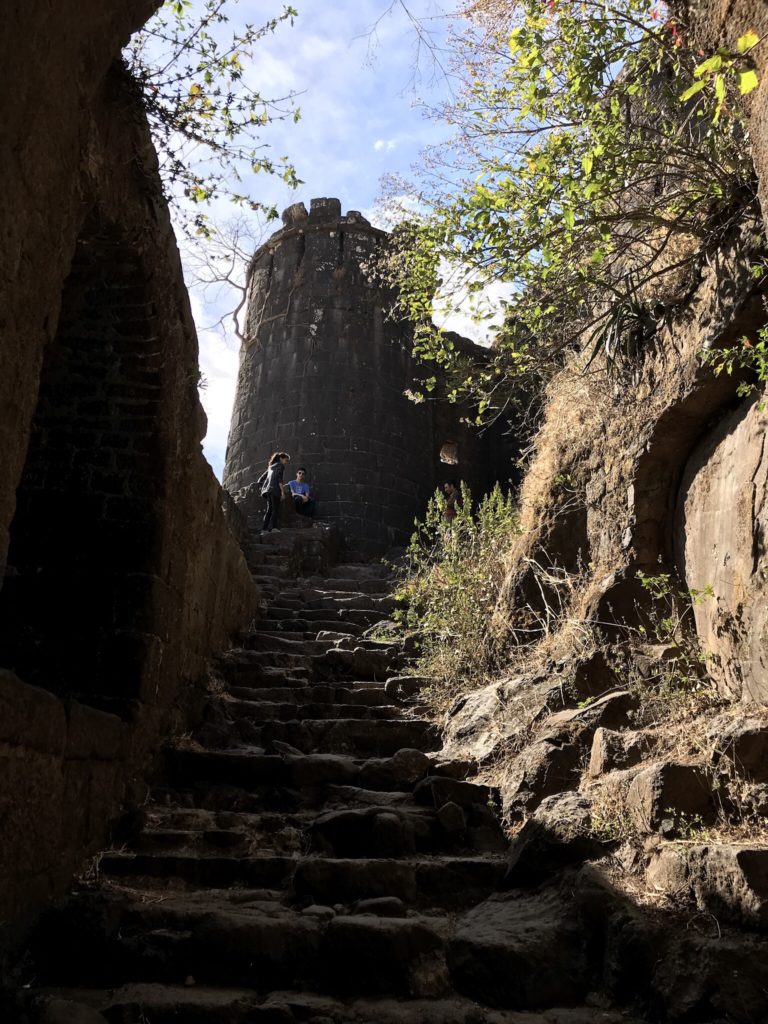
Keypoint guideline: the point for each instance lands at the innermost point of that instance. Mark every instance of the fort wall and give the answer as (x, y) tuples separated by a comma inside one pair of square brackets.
[(118, 574), (323, 375)]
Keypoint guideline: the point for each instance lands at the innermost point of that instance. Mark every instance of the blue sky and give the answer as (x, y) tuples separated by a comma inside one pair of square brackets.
[(361, 118)]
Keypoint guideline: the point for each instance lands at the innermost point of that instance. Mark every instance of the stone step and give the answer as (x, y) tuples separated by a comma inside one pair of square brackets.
[(245, 769), (284, 613), (355, 585), (244, 660), (217, 797), (394, 831), (270, 573), (206, 832), (363, 693), (269, 677), (209, 871), (354, 736), (359, 570), (447, 883), (272, 642), (201, 1004), (111, 939), (316, 597), (379, 830), (337, 601), (307, 627), (269, 711)]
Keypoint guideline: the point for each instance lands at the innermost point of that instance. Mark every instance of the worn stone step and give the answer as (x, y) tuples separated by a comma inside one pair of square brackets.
[(268, 711), (210, 871), (271, 677), (399, 830), (271, 642), (354, 736), (352, 584), (201, 1004), (449, 883), (337, 601), (362, 661), (286, 654), (359, 570), (222, 797), (209, 832), (283, 613), (246, 769), (110, 939), (445, 882), (312, 626), (307, 627), (356, 692)]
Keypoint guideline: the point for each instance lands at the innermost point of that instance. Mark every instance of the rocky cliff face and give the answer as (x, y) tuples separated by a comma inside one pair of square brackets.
[(118, 573), (636, 723)]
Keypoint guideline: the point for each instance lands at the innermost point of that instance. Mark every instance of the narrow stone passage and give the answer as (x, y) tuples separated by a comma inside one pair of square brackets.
[(309, 856)]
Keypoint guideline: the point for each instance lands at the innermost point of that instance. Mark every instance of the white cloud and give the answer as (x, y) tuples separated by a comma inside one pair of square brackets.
[(358, 120), (218, 367)]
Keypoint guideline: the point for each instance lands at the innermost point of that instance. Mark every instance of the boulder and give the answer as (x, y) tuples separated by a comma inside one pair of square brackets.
[(520, 951), (481, 723), (744, 744), (381, 906), (436, 790), (543, 768), (553, 762), (401, 771), (610, 711), (402, 687), (614, 751), (670, 797), (594, 676), (558, 835), (729, 880)]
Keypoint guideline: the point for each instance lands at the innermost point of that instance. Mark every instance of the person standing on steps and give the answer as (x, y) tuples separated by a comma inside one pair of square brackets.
[(273, 488), (452, 498), (299, 488)]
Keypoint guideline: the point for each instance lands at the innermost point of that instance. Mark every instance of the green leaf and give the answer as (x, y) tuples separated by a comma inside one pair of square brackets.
[(696, 87), (708, 66), (747, 41), (586, 164), (720, 88), (747, 81)]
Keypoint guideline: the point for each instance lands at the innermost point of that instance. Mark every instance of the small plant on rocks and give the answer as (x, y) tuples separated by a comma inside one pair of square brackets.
[(677, 674), (449, 587)]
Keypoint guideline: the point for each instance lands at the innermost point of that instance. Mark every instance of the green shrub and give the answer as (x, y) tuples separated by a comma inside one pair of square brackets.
[(448, 589)]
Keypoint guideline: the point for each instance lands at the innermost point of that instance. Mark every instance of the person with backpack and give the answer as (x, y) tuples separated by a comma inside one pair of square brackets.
[(272, 488)]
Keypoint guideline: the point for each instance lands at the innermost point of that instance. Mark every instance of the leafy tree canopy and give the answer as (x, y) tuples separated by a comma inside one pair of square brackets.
[(595, 159), (206, 116)]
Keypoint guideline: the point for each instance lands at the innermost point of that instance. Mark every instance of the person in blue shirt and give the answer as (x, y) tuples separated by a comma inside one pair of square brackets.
[(299, 488)]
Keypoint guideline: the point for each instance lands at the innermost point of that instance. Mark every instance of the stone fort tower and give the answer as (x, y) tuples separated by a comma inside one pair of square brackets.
[(322, 375)]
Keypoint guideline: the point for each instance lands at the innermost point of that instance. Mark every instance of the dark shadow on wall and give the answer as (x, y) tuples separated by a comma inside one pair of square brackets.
[(85, 539), (675, 435)]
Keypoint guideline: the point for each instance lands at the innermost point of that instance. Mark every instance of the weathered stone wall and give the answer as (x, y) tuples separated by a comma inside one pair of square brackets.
[(323, 376), (120, 576), (722, 538)]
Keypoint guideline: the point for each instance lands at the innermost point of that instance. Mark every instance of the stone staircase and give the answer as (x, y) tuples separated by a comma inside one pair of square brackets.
[(308, 858)]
